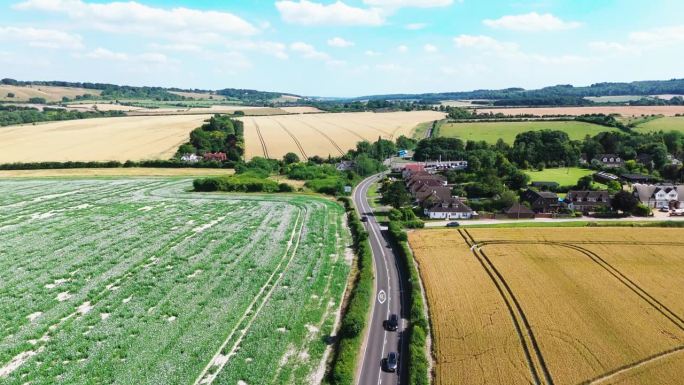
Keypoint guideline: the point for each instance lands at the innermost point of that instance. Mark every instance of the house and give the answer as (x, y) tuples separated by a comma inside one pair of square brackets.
[(450, 209), (587, 201), (636, 178), (425, 193), (219, 156), (610, 160), (605, 177), (411, 168), (659, 196), (541, 201), (519, 211), (541, 185), (190, 158), (345, 165)]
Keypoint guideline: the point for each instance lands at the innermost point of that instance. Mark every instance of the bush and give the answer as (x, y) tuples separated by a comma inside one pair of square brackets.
[(641, 210), (236, 183)]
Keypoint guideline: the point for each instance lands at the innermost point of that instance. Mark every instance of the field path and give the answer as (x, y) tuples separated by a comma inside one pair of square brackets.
[(264, 149), (294, 138)]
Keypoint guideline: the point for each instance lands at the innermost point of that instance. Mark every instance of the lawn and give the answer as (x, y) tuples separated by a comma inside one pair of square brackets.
[(563, 176), (132, 281), (662, 124), (493, 131)]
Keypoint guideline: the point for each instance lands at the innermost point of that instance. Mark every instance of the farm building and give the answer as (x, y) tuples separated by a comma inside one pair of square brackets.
[(541, 201), (587, 201), (660, 196)]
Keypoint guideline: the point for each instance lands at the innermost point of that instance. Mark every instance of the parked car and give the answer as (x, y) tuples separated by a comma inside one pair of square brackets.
[(453, 224), (391, 362), (392, 323), (664, 209), (364, 219)]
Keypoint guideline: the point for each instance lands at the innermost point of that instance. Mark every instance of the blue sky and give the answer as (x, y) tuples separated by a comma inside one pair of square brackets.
[(345, 47)]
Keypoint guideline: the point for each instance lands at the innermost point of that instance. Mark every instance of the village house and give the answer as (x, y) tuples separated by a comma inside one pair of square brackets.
[(519, 211), (190, 158), (587, 201), (426, 192), (660, 196), (610, 160), (219, 156), (450, 209), (541, 201), (411, 168)]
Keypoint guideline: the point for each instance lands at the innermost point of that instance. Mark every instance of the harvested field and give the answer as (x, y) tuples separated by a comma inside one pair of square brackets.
[(491, 132), (102, 107), (115, 172), (133, 281), (100, 139), (199, 95), (610, 313), (301, 110), (49, 93), (326, 134), (215, 109), (621, 110)]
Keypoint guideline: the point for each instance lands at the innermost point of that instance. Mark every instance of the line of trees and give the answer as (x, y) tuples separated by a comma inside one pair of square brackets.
[(11, 115)]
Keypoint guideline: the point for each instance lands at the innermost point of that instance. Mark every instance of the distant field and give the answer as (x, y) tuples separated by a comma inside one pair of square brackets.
[(563, 176), (138, 281), (101, 139), (326, 134), (663, 124), (199, 95), (554, 305), (49, 93), (614, 99), (301, 110), (492, 131), (114, 172), (621, 110)]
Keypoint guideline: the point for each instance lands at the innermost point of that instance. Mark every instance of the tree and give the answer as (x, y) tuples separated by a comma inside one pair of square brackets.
[(624, 201), (518, 180), (614, 186), (404, 143), (396, 195), (365, 165), (290, 158), (506, 199), (10, 95), (585, 182)]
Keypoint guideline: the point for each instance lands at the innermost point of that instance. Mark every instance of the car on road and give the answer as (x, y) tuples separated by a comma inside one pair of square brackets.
[(364, 219), (392, 323), (664, 210), (453, 224), (391, 362)]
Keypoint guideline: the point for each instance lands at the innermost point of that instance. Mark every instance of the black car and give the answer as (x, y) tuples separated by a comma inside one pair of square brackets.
[(364, 219), (391, 362), (453, 224), (392, 324)]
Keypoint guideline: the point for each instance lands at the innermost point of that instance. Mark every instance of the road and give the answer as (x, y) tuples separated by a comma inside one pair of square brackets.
[(389, 299)]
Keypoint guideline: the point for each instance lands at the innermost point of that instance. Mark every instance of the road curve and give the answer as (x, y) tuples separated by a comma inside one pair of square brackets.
[(389, 299)]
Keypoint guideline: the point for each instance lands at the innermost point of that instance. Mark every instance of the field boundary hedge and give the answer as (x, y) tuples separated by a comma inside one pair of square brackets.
[(354, 319), (113, 164), (419, 328)]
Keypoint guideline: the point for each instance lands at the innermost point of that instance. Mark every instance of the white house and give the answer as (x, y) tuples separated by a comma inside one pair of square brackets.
[(453, 209), (658, 196), (191, 158)]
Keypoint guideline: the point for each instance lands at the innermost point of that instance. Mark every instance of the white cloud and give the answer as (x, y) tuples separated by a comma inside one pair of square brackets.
[(136, 18), (108, 55), (308, 51), (372, 53), (105, 54), (429, 48), (278, 50), (415, 26), (42, 38), (340, 42), (304, 12), (484, 43), (408, 3), (611, 47), (402, 49), (531, 22), (640, 41)]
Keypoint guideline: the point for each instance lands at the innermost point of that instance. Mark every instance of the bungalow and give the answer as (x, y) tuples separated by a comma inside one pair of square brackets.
[(610, 160), (519, 211), (450, 209), (659, 196), (441, 193), (190, 158), (541, 201), (587, 201), (219, 156)]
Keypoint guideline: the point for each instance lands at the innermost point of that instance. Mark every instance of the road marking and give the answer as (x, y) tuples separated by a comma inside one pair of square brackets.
[(382, 297)]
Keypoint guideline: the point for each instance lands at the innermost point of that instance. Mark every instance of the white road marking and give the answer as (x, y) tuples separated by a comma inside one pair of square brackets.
[(382, 297)]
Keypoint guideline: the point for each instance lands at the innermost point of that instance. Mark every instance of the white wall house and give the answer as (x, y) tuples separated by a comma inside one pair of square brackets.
[(451, 210), (659, 196)]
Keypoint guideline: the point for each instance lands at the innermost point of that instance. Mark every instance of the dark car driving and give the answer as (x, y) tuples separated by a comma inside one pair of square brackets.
[(391, 362), (453, 224), (392, 323)]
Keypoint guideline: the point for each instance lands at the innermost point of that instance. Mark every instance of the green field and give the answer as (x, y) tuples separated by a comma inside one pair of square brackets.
[(662, 124), (138, 281), (563, 176), (492, 131)]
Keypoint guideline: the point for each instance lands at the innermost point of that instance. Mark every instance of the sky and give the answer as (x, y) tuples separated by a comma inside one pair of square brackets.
[(342, 47)]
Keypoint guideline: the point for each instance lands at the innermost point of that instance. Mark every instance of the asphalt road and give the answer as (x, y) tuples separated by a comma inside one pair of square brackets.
[(389, 299)]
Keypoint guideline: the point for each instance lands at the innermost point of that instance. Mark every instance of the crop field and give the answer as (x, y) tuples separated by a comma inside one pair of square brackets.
[(662, 124), (115, 172), (100, 139), (565, 176), (492, 131), (555, 305), (137, 281), (326, 134), (620, 110), (49, 93)]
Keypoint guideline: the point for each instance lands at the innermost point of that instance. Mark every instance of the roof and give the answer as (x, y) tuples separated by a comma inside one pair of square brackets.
[(541, 194), (544, 183), (603, 195), (450, 206), (441, 192), (606, 175), (517, 208), (637, 177), (646, 192)]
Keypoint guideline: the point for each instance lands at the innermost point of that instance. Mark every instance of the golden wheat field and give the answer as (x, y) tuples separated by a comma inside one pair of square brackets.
[(555, 305), (49, 93), (101, 139), (326, 134)]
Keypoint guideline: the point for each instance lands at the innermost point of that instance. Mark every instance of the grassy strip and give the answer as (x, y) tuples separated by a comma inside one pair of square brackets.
[(355, 315), (583, 224), (418, 365)]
